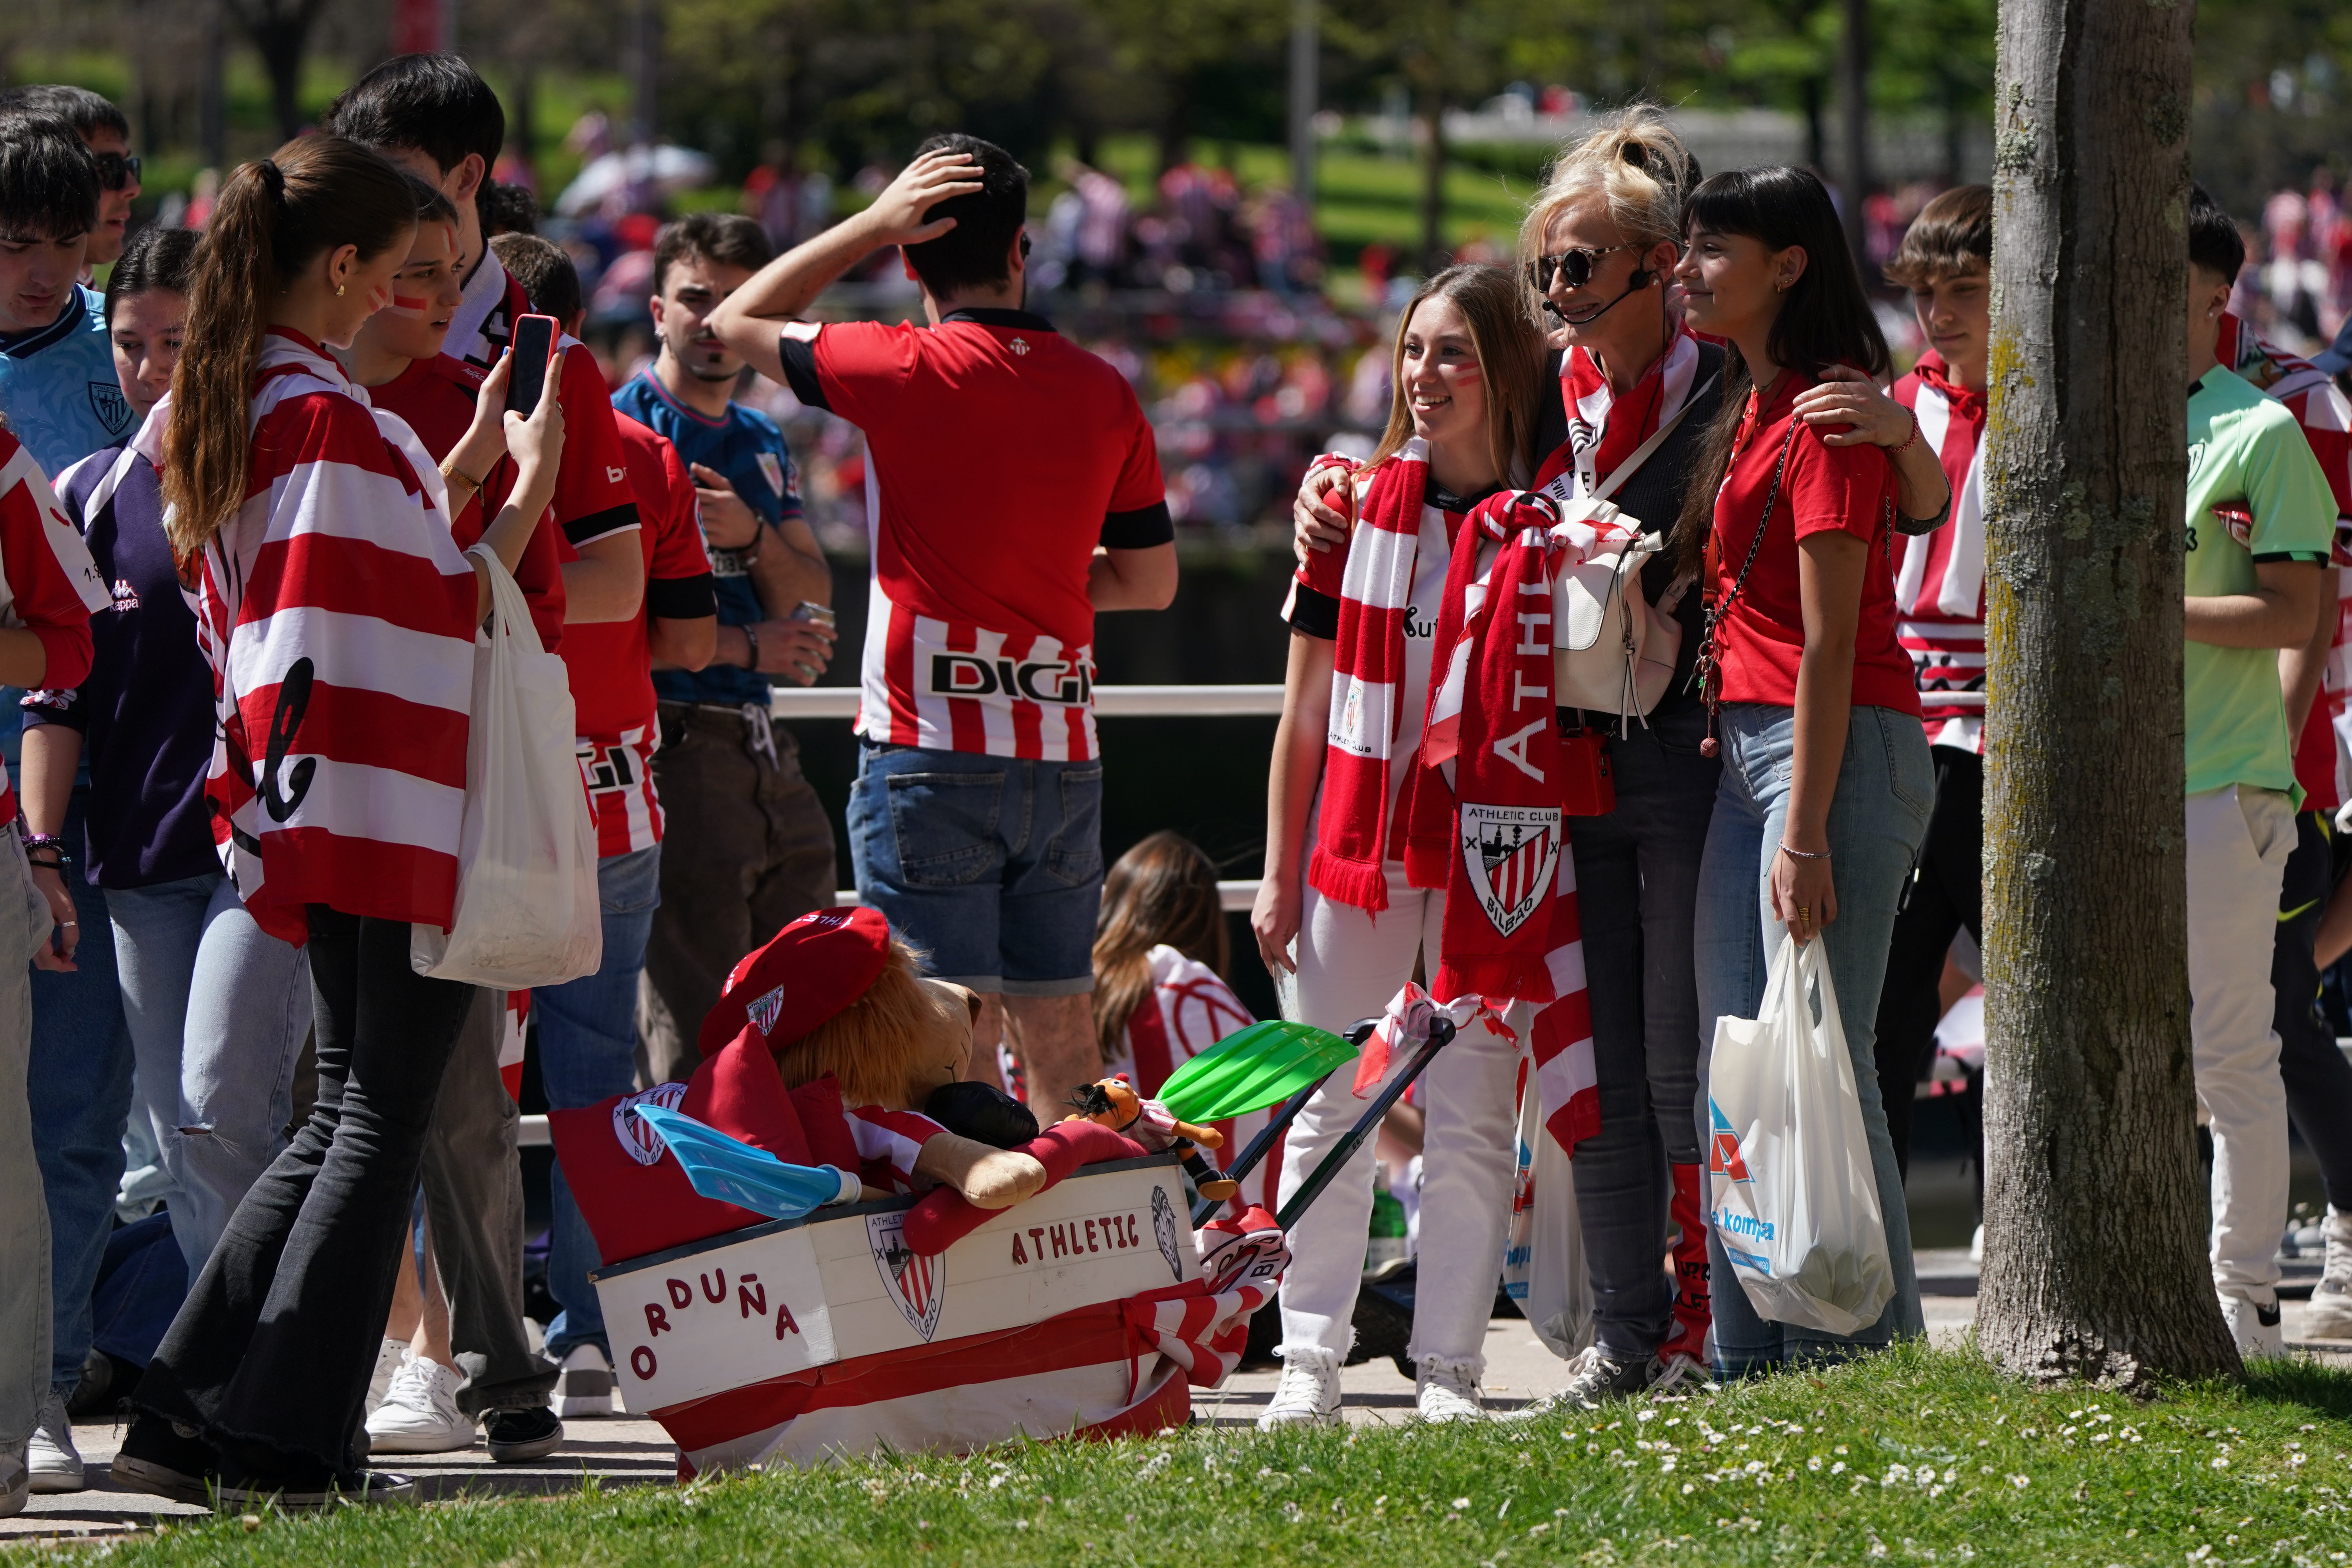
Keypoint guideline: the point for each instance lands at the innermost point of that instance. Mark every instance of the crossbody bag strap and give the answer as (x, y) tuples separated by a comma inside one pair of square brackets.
[(1640, 454)]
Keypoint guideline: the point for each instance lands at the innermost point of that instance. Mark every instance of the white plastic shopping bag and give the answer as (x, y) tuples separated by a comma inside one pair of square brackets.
[(527, 911), (1794, 1197), (1543, 1252)]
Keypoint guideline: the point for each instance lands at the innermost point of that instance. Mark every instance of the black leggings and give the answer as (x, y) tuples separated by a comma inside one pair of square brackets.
[(2318, 1079), (270, 1354), (1946, 894)]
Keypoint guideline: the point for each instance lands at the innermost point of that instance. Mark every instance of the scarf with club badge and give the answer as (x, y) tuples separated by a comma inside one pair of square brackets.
[(1494, 836)]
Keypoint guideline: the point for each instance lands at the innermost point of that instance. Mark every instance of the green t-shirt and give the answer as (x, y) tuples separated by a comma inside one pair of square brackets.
[(2247, 457)]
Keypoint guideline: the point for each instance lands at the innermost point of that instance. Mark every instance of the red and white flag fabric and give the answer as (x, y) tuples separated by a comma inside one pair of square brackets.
[(1115, 1369), (338, 617), (1191, 1009)]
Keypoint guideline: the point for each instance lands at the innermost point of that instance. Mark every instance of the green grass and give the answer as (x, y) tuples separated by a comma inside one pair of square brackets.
[(1912, 1456)]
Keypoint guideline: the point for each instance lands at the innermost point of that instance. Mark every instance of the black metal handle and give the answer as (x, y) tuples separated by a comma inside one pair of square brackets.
[(1441, 1034), (1205, 1210)]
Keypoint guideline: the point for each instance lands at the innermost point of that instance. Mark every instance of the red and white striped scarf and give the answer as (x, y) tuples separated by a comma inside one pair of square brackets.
[(338, 617), (1599, 440), (1366, 680), (1494, 835)]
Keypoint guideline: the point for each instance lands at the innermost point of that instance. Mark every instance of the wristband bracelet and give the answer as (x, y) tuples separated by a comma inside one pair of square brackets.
[(1913, 439), (450, 471), (1801, 854), (751, 639)]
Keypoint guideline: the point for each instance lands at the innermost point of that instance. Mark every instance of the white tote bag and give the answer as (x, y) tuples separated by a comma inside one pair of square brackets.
[(1543, 1252), (527, 911), (1795, 1199)]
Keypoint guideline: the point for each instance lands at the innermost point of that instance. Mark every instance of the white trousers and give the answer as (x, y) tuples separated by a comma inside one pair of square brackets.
[(2238, 843), (1350, 964)]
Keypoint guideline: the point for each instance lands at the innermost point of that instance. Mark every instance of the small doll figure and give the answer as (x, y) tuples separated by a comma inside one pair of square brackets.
[(1112, 1102)]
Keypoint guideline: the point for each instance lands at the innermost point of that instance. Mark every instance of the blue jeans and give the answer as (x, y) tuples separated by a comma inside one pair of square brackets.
[(79, 1087), (218, 1011), (990, 867), (1637, 872), (587, 1052), (1878, 817)]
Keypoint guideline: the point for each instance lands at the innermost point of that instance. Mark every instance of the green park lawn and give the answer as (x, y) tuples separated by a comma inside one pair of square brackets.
[(1914, 1456)]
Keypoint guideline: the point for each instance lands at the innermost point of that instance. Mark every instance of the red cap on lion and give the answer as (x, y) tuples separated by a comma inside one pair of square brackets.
[(804, 975)]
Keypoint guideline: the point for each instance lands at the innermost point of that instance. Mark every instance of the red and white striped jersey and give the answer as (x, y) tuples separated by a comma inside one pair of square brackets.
[(888, 1143), (619, 771), (48, 583), (512, 1020), (338, 617), (998, 455), (1189, 1010), (2321, 762), (1940, 590)]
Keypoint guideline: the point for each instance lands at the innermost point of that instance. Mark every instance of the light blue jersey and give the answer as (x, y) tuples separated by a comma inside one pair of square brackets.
[(58, 389)]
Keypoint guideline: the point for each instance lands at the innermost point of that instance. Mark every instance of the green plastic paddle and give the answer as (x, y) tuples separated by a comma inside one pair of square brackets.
[(1252, 1069)]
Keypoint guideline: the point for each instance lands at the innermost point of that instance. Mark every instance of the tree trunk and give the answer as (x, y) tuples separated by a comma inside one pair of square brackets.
[(1434, 252), (2096, 1211), (281, 33), (1854, 101), (1817, 154)]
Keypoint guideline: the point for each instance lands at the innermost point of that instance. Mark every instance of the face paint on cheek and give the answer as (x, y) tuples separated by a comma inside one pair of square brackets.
[(411, 305)]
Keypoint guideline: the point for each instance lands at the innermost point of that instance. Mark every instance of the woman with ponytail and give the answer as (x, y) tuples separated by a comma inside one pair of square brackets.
[(1364, 623), (339, 620), (1826, 782)]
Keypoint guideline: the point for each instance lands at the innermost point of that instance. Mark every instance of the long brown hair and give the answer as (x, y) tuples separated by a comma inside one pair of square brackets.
[(273, 218), (1510, 364), (1162, 890), (1824, 318)]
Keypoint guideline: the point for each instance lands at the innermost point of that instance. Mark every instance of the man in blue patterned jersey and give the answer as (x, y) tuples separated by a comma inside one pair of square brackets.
[(58, 389)]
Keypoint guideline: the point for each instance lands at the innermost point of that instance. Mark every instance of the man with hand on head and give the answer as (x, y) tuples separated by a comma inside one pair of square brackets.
[(749, 846), (587, 1033), (1013, 491)]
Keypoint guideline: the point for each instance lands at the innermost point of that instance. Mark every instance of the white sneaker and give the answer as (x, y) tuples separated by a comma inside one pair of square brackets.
[(419, 1414), (2254, 1325), (1680, 1373), (1309, 1394), (50, 1455), (1448, 1390), (2331, 1299), (584, 1385), (14, 1481), (388, 1357)]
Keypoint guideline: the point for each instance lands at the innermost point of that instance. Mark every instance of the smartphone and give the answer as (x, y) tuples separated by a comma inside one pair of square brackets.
[(534, 345)]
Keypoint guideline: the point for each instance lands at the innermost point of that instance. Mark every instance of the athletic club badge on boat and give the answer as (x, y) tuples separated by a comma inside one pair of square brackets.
[(917, 1283), (1512, 853)]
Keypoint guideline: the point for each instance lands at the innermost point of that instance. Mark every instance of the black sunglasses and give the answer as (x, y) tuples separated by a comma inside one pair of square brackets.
[(1574, 266), (116, 170)]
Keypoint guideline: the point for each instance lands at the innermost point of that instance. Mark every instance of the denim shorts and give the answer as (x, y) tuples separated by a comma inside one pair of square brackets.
[(990, 867)]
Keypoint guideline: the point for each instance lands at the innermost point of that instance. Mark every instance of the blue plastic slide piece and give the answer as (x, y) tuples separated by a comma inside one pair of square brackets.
[(733, 1172)]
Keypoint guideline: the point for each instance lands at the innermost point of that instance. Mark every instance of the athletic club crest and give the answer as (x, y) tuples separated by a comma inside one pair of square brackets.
[(917, 1283), (1512, 853), (763, 1010), (643, 1143), (1163, 1230)]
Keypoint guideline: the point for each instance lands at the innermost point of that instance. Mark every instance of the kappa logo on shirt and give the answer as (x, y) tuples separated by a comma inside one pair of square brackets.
[(126, 598)]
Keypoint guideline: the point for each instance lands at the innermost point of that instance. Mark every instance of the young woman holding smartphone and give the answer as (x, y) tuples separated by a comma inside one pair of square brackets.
[(339, 618)]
